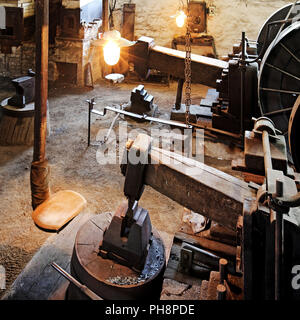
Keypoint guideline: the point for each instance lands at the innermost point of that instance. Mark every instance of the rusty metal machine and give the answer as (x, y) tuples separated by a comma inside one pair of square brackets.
[(260, 81), (266, 218)]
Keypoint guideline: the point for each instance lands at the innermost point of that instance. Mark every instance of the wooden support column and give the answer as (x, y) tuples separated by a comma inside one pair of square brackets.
[(41, 87), (39, 168), (106, 69), (105, 15)]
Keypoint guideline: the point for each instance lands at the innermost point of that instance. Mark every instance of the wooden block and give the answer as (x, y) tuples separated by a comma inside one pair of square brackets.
[(174, 290), (218, 231), (251, 177), (214, 280), (58, 210), (203, 291)]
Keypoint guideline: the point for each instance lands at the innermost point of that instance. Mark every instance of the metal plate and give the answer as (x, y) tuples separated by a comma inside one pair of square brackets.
[(294, 132), (280, 14), (279, 78)]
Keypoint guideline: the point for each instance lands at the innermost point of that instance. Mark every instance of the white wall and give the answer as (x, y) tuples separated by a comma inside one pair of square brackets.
[(153, 18)]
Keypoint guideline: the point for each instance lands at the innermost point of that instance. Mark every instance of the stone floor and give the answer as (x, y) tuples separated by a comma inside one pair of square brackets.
[(74, 165)]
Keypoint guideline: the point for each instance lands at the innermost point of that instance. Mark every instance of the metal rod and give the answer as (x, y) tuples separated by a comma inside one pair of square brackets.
[(279, 229), (284, 21), (267, 152), (243, 80), (41, 87), (179, 94), (281, 91), (91, 106), (277, 112), (89, 127), (290, 52), (283, 71), (110, 128), (278, 253), (168, 122), (279, 217), (80, 286), (142, 117)]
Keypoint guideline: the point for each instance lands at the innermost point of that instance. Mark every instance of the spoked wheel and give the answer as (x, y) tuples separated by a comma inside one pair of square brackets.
[(279, 78), (280, 14)]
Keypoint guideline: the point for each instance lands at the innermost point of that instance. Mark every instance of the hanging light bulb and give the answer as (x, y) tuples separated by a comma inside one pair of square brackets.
[(111, 53), (180, 19), (112, 42)]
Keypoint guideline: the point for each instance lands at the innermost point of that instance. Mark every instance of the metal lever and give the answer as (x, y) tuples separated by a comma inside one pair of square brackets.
[(82, 287)]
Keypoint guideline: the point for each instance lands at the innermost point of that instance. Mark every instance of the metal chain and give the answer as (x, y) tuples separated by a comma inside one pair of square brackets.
[(188, 70)]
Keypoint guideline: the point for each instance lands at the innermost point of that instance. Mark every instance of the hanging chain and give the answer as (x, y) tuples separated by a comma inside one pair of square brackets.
[(187, 70)]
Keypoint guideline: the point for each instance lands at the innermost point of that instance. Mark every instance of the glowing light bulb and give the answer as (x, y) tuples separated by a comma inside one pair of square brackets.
[(180, 19), (111, 53)]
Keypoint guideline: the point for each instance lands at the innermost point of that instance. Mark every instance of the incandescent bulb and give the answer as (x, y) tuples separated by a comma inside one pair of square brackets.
[(180, 19), (111, 53)]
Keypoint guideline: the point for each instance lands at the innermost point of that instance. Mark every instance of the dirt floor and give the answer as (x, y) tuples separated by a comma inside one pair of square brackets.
[(74, 166)]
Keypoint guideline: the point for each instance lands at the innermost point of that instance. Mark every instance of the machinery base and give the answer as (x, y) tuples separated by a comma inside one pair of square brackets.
[(108, 279)]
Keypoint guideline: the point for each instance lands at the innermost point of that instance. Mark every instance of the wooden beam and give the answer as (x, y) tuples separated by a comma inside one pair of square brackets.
[(146, 55), (198, 187), (205, 70)]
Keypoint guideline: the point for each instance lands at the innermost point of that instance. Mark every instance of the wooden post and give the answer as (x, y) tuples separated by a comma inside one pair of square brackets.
[(106, 69), (41, 87), (128, 21), (221, 292), (223, 264), (39, 168), (105, 15)]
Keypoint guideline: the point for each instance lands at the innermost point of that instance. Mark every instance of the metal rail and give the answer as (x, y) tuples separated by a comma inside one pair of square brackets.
[(150, 119)]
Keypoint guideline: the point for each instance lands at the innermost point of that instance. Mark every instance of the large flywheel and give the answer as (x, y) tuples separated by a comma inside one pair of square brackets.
[(279, 77), (291, 11)]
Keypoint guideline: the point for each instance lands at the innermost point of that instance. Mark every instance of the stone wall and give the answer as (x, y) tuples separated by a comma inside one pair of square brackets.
[(72, 51), (19, 61), (27, 5), (153, 18)]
